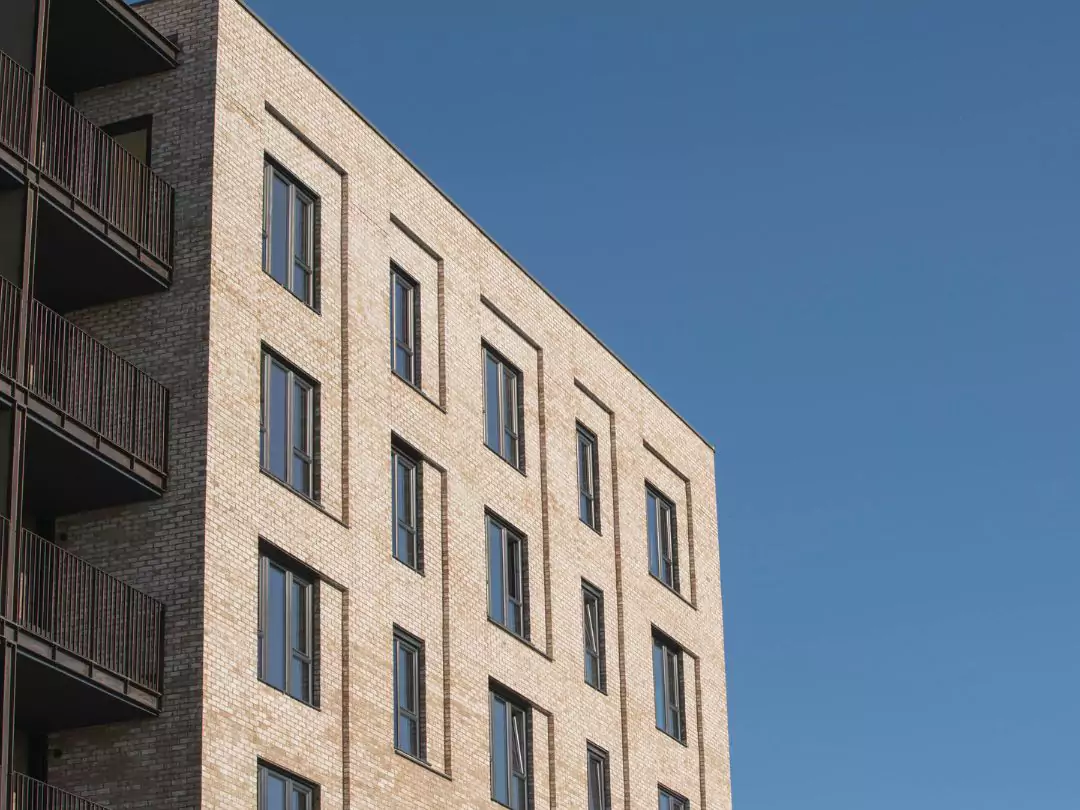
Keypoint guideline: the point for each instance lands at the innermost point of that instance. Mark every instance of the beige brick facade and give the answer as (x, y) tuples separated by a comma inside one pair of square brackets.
[(239, 96)]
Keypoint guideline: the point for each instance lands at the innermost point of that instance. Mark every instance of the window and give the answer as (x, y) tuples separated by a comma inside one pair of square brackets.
[(409, 732), (588, 478), (507, 578), (599, 778), (668, 683), (511, 753), (408, 509), (663, 554), (289, 234), (503, 392), (288, 426), (279, 791), (286, 625), (592, 608), (405, 326), (134, 135), (672, 801)]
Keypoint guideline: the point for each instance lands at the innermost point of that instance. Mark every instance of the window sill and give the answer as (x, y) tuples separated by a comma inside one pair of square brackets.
[(599, 690), (672, 591), (673, 737), (595, 529), (417, 389), (283, 693), (521, 639), (313, 308), (502, 458), (427, 766), (405, 565), (310, 501)]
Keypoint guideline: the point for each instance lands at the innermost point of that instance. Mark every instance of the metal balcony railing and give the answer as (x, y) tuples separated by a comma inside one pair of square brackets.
[(15, 90), (30, 794), (84, 611), (91, 384), (87, 163)]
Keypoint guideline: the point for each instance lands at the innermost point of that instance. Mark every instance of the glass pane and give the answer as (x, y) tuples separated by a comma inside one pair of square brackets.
[(500, 774), (301, 799), (402, 362), (496, 586), (276, 424), (402, 313), (665, 802), (492, 430), (592, 670), (301, 244), (407, 735), (274, 787), (592, 632), (301, 406), (517, 747), (658, 686), (302, 475), (654, 557), (510, 416), (274, 631), (279, 230), (301, 282), (521, 796), (300, 688), (405, 681), (596, 784), (299, 617)]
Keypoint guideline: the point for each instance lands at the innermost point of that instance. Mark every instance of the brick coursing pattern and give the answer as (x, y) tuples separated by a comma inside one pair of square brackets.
[(197, 548)]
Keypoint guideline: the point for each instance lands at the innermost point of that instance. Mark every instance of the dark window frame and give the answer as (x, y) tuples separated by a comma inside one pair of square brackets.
[(294, 573), (506, 433), (588, 478), (404, 640), (518, 733), (293, 784), (309, 262), (404, 456), (310, 456), (675, 801), (412, 345), (590, 593), (598, 766), (509, 536), (669, 687), (130, 125), (658, 559)]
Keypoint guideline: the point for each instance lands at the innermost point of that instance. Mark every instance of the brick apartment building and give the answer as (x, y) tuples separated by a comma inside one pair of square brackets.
[(314, 498)]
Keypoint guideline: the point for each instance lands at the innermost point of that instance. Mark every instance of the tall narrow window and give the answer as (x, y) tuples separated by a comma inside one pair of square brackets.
[(511, 753), (588, 478), (409, 736), (672, 801), (405, 324), (289, 234), (507, 578), (280, 791), (663, 548), (668, 686), (503, 391), (408, 535), (599, 778), (288, 426), (592, 608), (286, 627)]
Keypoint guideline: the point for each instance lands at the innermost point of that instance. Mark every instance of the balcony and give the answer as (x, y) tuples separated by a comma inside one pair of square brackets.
[(90, 645), (107, 229), (96, 420), (30, 794)]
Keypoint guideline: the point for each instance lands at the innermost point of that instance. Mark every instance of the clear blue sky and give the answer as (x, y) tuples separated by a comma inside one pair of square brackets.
[(842, 239)]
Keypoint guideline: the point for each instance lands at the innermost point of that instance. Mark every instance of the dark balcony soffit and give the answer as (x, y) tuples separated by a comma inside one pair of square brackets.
[(93, 43)]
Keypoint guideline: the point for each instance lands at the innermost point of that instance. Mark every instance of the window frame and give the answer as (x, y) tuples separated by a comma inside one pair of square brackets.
[(298, 193), (294, 574), (589, 593), (415, 646), (293, 785), (507, 372), (520, 577), (412, 346), (675, 801), (588, 478), (665, 517), (518, 735), (295, 380), (401, 456), (597, 763), (671, 695)]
